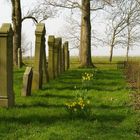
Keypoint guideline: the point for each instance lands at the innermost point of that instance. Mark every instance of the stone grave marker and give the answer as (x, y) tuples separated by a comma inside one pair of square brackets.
[(38, 60), (59, 44), (57, 55), (6, 66), (62, 59), (27, 82), (66, 55), (51, 43)]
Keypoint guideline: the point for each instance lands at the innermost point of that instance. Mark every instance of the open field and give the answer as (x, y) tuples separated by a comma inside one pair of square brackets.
[(43, 116)]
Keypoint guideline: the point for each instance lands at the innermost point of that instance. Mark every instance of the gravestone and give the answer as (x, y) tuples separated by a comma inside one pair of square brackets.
[(59, 54), (68, 59), (45, 67), (62, 59), (27, 82), (51, 43), (38, 60), (6, 66), (56, 58), (58, 42), (45, 64), (66, 55)]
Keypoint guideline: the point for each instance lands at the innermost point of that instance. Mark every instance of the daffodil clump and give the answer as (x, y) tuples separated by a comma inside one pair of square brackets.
[(87, 76), (78, 107), (86, 79)]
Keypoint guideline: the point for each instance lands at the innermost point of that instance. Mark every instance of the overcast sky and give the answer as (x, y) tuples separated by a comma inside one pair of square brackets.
[(55, 27)]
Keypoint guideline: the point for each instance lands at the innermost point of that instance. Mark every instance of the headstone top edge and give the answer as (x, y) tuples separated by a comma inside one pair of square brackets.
[(40, 27), (5, 28), (28, 70), (51, 39)]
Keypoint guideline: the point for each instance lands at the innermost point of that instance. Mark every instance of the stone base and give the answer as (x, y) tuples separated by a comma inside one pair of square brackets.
[(4, 102)]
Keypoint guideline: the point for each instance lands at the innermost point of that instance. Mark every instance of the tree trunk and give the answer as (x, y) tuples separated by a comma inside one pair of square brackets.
[(85, 43), (112, 46), (111, 53), (128, 44), (17, 26), (127, 53)]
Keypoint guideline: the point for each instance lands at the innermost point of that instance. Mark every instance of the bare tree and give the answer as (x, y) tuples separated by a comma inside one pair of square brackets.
[(37, 14), (122, 28), (85, 7), (71, 32), (114, 29), (16, 19), (133, 20)]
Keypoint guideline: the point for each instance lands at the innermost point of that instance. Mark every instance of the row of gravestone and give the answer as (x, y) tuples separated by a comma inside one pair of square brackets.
[(42, 72)]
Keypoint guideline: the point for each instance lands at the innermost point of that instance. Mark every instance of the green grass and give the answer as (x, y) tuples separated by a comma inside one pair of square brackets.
[(43, 116)]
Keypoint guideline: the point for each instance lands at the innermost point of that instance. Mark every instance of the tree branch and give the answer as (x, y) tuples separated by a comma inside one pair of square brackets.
[(29, 17)]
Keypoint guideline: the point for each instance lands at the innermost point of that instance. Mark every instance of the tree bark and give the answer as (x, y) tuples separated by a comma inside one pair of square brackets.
[(17, 26), (112, 47), (128, 43), (85, 43), (111, 53)]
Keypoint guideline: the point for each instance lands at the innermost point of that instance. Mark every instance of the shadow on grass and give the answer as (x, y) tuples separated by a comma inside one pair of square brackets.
[(39, 104), (104, 80), (109, 107), (34, 118), (57, 96)]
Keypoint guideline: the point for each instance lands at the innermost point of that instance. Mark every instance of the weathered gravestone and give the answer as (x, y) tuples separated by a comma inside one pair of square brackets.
[(39, 54), (68, 59), (6, 66), (62, 59), (51, 43), (66, 55), (45, 63), (58, 42), (56, 58), (27, 82), (45, 67)]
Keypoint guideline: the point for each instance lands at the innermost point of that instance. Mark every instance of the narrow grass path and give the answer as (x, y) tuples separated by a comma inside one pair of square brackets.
[(43, 116)]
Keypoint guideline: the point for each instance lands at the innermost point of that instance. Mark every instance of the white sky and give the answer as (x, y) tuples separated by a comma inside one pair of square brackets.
[(54, 27)]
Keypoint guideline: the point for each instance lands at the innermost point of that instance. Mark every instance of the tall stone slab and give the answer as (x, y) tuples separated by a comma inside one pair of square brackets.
[(51, 43), (45, 66), (6, 66), (62, 59), (27, 82), (68, 59), (56, 58), (66, 55), (58, 42), (38, 59)]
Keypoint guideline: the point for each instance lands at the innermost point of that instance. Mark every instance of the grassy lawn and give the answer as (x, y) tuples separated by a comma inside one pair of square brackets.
[(43, 116)]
